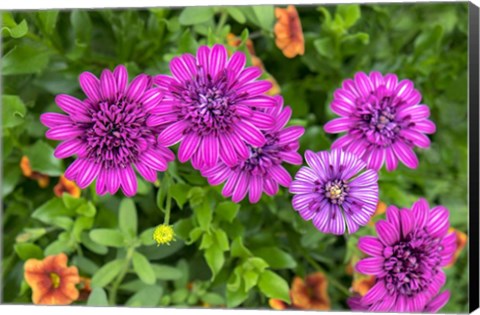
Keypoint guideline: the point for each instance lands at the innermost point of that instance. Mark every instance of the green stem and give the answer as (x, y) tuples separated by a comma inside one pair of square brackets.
[(167, 210), (121, 275), (221, 22), (334, 282)]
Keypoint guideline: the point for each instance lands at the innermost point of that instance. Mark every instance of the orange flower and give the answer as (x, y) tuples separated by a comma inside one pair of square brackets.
[(66, 186), (381, 209), (52, 282), (277, 304), (461, 243), (43, 180), (311, 293), (288, 32), (85, 288), (362, 284)]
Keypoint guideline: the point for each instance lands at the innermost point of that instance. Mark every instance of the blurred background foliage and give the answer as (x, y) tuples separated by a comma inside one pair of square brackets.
[(224, 254)]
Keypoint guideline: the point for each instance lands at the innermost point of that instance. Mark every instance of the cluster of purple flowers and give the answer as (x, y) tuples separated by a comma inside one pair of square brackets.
[(216, 109)]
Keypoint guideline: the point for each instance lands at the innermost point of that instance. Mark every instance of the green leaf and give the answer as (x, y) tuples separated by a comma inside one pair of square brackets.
[(72, 203), (59, 246), (146, 237), (54, 212), (81, 224), (107, 273), (274, 286), (203, 213), (213, 299), (350, 14), (186, 44), (48, 20), (275, 257), (149, 296), (178, 192), (235, 298), (195, 15), (236, 14), (108, 237), (325, 47), (165, 272), (11, 28), (85, 265), (215, 259), (13, 111), (239, 250), (82, 25), (97, 297), (143, 268), (87, 210), (42, 160), (28, 250), (127, 217), (91, 245), (11, 176), (25, 59), (265, 16), (221, 239), (227, 210)]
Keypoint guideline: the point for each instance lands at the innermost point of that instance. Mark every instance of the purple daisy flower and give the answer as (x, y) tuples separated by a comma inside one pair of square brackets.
[(383, 118), (262, 169), (407, 256), (335, 190), (212, 107), (108, 132)]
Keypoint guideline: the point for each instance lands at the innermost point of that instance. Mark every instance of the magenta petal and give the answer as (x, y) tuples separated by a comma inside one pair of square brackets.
[(418, 139), (68, 148), (363, 84), (241, 188), (153, 160), (370, 266), (425, 126), (70, 104), (291, 157), (280, 175), (113, 180), (101, 186), (387, 233), (87, 174), (270, 186), (421, 212), (203, 54), (391, 159), (128, 181), (148, 173), (371, 246), (337, 222), (179, 69), (338, 125), (108, 85), (90, 85), (51, 120), (377, 79), (121, 77), (73, 169), (210, 150), (63, 132), (407, 221), (151, 99), (227, 190), (237, 62), (249, 133), (137, 87), (262, 120), (438, 222), (255, 88), (256, 189), (438, 302), (376, 293), (405, 154), (227, 152), (290, 134), (173, 133), (218, 59), (187, 147)]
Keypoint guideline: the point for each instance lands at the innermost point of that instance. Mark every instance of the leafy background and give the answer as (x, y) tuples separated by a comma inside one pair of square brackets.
[(225, 254)]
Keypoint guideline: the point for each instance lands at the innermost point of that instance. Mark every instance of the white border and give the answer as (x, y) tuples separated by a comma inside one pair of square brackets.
[(50, 4)]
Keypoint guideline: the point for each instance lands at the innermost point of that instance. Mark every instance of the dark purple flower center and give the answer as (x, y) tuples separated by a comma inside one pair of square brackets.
[(336, 191), (412, 263), (377, 119), (208, 103), (262, 159), (117, 133)]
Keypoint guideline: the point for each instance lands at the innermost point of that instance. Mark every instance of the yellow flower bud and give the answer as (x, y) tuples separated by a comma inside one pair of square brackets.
[(164, 234)]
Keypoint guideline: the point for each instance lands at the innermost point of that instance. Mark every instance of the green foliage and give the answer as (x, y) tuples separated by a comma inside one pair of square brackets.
[(224, 254)]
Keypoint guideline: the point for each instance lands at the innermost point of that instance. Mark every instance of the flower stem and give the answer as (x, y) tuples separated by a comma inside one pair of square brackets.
[(333, 281), (167, 210), (121, 275), (221, 22)]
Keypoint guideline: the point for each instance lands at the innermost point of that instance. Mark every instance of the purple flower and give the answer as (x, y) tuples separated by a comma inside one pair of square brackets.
[(108, 132), (262, 169), (383, 118), (212, 107), (335, 189), (406, 259)]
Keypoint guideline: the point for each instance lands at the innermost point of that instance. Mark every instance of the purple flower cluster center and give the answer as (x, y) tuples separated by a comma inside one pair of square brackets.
[(412, 263), (377, 120), (117, 133), (261, 159), (336, 191), (207, 103)]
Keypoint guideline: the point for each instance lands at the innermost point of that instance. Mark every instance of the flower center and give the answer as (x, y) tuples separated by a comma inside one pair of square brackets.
[(117, 133), (263, 158), (336, 191), (208, 103), (163, 234), (412, 263), (55, 279), (377, 120)]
